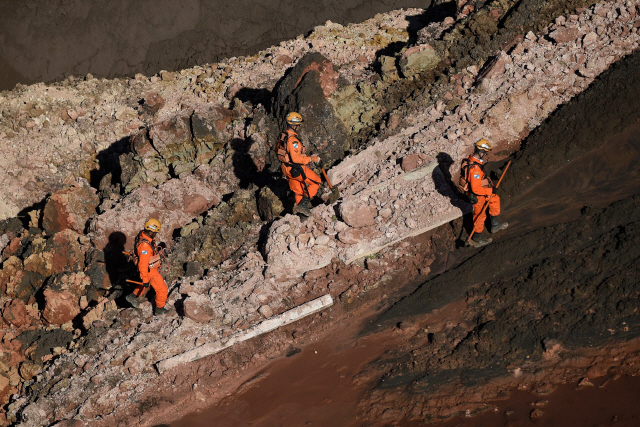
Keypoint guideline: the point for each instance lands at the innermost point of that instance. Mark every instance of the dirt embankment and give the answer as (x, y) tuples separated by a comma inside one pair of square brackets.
[(44, 42), (530, 296)]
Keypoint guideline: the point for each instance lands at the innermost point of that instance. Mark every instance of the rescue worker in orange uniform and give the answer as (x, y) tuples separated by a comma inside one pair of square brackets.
[(481, 187), (293, 161), (147, 256)]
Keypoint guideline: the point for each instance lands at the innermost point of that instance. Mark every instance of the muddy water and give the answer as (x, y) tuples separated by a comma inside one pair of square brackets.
[(321, 386)]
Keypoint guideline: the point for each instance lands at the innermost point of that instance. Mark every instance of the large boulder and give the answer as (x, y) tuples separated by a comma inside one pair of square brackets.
[(15, 313), (357, 213), (419, 59), (269, 204), (199, 308), (307, 89), (60, 307), (62, 297), (70, 209), (173, 146), (67, 252)]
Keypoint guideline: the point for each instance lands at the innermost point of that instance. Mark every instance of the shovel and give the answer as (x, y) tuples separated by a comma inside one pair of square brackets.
[(335, 193)]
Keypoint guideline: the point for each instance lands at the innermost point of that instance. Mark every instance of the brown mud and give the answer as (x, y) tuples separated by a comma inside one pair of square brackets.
[(610, 400), (314, 387)]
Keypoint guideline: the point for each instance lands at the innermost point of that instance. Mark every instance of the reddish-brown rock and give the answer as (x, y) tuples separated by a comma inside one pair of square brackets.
[(70, 208), (60, 307), (5, 389), (565, 35), (410, 162), (67, 252), (15, 313), (199, 308), (357, 213)]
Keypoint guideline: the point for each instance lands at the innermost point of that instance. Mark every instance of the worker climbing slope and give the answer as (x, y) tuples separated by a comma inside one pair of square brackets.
[(293, 161), (480, 190), (147, 258)]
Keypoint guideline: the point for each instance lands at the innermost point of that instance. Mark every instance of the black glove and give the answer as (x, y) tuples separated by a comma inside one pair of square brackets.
[(319, 162), (146, 284)]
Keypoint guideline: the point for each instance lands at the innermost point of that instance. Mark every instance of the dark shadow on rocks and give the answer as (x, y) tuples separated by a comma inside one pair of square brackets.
[(118, 266), (255, 97), (441, 176), (250, 176), (108, 174), (436, 13), (25, 218), (444, 185), (244, 167)]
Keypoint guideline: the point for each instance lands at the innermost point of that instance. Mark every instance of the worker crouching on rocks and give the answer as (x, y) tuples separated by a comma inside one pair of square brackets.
[(147, 259), (480, 190), (291, 152)]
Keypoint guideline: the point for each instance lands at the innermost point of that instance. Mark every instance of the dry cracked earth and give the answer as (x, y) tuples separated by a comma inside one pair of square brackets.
[(392, 104)]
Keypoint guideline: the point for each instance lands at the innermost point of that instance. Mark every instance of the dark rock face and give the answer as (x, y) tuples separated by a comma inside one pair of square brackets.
[(123, 37), (305, 89)]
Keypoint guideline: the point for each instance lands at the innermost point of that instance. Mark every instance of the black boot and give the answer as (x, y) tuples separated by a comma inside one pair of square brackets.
[(304, 207), (134, 300), (496, 225), (478, 240), (160, 310)]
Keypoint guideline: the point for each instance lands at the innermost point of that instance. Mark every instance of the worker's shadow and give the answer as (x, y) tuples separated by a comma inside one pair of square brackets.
[(444, 185), (119, 267), (255, 171)]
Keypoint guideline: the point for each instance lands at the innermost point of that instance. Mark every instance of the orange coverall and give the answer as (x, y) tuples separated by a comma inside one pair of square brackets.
[(482, 188), (145, 251), (296, 154)]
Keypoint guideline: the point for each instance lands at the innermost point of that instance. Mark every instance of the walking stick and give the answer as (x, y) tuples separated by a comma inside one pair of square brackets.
[(486, 204)]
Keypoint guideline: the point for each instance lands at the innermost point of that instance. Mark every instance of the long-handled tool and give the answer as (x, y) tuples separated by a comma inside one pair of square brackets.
[(486, 204), (144, 290), (335, 193)]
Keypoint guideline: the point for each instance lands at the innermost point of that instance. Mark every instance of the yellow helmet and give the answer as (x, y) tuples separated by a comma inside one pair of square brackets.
[(152, 224), (294, 118), (483, 145)]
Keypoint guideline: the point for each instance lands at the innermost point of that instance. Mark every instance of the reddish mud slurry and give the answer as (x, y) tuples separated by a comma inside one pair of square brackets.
[(317, 387)]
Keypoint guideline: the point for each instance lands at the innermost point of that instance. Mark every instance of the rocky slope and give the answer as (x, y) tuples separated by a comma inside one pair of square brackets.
[(192, 148)]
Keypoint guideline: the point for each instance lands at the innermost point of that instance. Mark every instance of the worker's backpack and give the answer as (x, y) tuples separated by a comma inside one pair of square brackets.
[(154, 261), (283, 156), (463, 182)]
